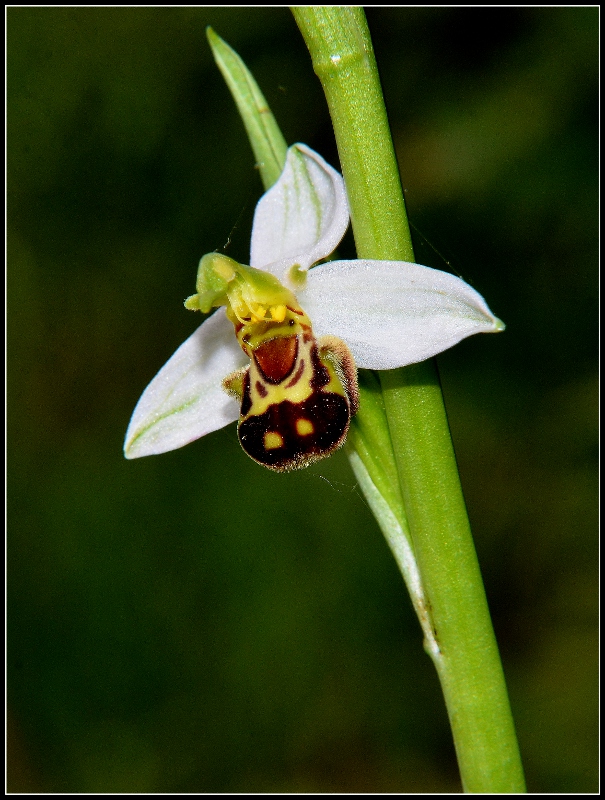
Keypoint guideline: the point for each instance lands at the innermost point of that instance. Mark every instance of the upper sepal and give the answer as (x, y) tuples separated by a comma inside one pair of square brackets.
[(302, 218)]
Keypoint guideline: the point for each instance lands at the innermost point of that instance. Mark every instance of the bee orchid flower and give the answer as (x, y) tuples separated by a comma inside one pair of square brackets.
[(288, 374)]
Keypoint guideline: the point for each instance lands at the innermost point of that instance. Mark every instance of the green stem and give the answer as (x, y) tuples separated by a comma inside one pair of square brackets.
[(467, 658)]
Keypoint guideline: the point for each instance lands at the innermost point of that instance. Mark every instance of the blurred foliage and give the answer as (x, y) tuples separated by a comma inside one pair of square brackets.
[(192, 622)]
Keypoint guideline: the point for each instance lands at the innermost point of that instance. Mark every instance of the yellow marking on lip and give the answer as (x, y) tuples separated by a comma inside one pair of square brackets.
[(304, 427), (273, 440)]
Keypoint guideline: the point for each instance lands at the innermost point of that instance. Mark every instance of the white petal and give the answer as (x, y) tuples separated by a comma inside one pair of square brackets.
[(393, 313), (185, 400), (302, 218)]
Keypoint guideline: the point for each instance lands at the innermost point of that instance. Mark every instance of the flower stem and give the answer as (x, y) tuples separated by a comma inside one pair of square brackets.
[(466, 656)]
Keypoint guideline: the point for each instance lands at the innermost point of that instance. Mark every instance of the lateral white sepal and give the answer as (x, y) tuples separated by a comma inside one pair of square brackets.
[(393, 313), (186, 399)]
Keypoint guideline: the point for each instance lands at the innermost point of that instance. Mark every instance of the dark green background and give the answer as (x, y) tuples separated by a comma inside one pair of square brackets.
[(192, 622)]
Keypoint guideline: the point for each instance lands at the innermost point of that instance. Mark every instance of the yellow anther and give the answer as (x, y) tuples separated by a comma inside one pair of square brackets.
[(278, 313), (257, 314)]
